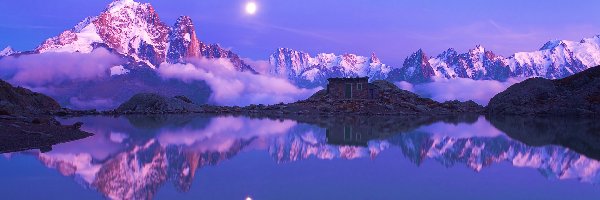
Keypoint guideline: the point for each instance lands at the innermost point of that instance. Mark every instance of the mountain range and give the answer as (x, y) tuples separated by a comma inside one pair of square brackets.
[(555, 59), (135, 31)]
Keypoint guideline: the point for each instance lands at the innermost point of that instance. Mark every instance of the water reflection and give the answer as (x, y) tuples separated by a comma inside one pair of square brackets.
[(578, 134), (131, 157)]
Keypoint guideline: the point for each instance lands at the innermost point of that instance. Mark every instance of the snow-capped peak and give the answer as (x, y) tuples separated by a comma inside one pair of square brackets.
[(308, 71), (374, 58), (117, 5), (7, 51), (479, 49), (551, 44)]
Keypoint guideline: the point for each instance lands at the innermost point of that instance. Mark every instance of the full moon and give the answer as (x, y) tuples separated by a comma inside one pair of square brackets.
[(251, 8)]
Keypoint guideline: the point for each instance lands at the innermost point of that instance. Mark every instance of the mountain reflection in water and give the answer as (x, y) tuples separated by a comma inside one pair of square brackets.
[(131, 157)]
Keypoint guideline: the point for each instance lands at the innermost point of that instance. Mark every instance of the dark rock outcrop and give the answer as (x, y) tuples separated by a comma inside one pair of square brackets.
[(150, 103), (388, 100), (26, 123), (575, 95), (24, 101)]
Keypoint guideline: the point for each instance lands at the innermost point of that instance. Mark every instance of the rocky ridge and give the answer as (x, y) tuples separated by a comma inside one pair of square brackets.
[(578, 94), (554, 60)]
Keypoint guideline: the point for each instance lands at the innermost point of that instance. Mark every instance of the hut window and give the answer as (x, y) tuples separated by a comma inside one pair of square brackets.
[(359, 86)]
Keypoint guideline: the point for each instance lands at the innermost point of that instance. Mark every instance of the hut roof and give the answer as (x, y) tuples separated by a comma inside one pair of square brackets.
[(348, 79)]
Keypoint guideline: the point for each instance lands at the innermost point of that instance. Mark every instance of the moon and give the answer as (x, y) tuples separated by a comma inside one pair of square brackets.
[(251, 8)]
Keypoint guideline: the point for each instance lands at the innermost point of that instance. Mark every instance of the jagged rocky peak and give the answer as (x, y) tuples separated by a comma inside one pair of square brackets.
[(450, 53), (118, 4), (553, 44), (7, 51), (419, 58), (374, 58), (185, 24), (479, 49), (419, 54), (131, 28), (416, 68), (184, 42), (134, 29)]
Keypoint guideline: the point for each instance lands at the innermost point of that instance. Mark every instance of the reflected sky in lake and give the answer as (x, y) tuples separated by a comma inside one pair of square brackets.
[(227, 157)]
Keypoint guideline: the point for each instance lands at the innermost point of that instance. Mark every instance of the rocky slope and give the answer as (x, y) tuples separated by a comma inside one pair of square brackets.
[(26, 122), (19, 100), (135, 30), (150, 103), (578, 94)]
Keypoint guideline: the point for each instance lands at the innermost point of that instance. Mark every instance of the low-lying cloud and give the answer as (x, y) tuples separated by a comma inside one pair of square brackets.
[(41, 70), (231, 87), (261, 66), (462, 89)]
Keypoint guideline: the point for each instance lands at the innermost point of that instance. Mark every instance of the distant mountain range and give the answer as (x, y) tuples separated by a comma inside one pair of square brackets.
[(556, 59), (135, 31)]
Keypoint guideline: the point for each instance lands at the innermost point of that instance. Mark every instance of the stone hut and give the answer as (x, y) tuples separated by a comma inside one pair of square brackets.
[(350, 88)]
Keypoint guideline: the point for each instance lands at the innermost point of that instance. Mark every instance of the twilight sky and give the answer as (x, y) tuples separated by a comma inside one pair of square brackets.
[(392, 29)]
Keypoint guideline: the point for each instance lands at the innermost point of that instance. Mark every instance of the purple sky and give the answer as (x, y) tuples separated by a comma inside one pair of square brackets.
[(393, 29)]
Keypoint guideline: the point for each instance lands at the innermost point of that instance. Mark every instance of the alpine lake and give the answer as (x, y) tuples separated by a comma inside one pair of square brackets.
[(313, 157)]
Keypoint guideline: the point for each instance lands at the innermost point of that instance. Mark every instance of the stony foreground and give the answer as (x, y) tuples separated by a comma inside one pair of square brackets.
[(26, 121)]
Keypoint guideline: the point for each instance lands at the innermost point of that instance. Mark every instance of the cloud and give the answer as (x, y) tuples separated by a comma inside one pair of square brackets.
[(462, 89), (231, 87), (93, 103), (261, 66), (54, 68)]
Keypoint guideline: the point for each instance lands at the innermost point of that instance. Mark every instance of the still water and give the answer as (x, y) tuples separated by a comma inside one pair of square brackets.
[(235, 157)]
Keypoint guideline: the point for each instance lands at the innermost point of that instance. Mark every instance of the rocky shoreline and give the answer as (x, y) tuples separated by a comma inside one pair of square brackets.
[(26, 121), (391, 102)]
